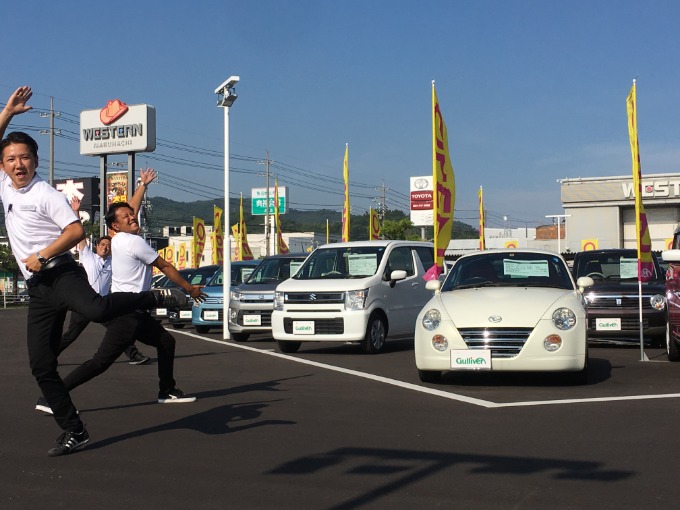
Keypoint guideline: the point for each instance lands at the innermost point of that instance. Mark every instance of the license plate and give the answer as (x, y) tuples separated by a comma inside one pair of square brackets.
[(303, 327), (466, 359), (608, 324), (161, 312), (185, 314), (211, 315), (252, 320)]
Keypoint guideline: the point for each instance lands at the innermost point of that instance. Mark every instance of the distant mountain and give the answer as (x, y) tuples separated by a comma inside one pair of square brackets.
[(167, 212)]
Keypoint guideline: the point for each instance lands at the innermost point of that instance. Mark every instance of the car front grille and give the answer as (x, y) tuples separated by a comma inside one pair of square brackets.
[(504, 343), (296, 298), (321, 326), (213, 300), (265, 317), (619, 301)]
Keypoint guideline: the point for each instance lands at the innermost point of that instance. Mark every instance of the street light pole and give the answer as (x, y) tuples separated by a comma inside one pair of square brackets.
[(226, 95)]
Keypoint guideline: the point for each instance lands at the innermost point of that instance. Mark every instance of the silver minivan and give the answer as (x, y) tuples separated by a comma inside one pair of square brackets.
[(361, 291), (251, 303)]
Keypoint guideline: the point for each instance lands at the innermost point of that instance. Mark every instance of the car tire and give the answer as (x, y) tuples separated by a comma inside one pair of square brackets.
[(288, 347), (178, 326), (240, 337), (202, 329), (672, 349), (430, 376), (376, 332)]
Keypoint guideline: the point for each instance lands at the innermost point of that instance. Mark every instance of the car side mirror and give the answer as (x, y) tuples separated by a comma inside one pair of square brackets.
[(671, 256), (397, 274), (433, 285), (584, 282)]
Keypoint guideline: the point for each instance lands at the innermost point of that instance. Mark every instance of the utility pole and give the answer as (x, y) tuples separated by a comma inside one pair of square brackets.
[(52, 114), (382, 207)]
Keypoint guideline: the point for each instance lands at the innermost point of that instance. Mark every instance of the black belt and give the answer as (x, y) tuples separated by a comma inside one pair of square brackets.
[(58, 260), (49, 269)]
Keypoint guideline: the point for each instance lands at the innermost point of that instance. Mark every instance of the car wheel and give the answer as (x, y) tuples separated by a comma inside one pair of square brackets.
[(202, 329), (671, 345), (430, 376), (374, 341), (178, 326), (288, 347), (240, 337)]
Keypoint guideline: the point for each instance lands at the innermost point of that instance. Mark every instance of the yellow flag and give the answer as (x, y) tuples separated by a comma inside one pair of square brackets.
[(444, 189), (237, 242), (374, 224), (281, 246), (345, 206), (198, 241), (644, 240), (246, 254)]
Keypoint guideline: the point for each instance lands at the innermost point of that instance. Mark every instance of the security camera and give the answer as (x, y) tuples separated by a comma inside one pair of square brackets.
[(228, 84)]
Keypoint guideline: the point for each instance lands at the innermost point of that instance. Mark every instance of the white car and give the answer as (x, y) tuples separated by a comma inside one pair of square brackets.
[(504, 310)]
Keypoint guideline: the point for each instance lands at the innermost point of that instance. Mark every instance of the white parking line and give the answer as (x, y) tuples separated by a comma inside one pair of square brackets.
[(429, 391)]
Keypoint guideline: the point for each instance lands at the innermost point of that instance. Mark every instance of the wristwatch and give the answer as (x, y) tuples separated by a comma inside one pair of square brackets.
[(41, 259)]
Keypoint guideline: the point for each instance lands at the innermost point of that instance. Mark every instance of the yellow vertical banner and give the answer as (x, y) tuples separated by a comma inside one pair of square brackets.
[(345, 205), (281, 246), (182, 256), (373, 224), (482, 244), (198, 241), (161, 254), (444, 189), (246, 254), (218, 238), (237, 242), (170, 255), (644, 240)]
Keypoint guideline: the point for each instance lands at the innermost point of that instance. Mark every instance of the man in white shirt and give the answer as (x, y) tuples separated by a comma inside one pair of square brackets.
[(97, 265), (42, 229), (132, 261)]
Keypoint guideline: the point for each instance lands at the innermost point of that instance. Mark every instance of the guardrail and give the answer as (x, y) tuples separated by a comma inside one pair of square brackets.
[(11, 300)]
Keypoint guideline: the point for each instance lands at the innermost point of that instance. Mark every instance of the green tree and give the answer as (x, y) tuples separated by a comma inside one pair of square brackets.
[(401, 229)]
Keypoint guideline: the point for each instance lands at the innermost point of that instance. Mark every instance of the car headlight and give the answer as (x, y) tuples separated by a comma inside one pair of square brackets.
[(355, 299), (235, 295), (432, 319), (278, 300), (564, 318), (658, 302)]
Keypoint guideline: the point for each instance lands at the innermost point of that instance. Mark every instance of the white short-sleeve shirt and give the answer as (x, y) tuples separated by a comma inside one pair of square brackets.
[(35, 216), (98, 270), (131, 263)]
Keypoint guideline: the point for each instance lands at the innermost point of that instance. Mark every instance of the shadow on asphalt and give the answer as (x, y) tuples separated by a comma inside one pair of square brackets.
[(392, 470)]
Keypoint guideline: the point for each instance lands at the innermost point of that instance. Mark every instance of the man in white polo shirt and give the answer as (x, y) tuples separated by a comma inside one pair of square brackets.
[(42, 229), (131, 272), (97, 265)]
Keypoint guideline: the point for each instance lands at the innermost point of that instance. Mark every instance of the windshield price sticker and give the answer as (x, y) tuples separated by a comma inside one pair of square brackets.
[(303, 327), (252, 320), (523, 268), (362, 264), (628, 268), (470, 359), (608, 324)]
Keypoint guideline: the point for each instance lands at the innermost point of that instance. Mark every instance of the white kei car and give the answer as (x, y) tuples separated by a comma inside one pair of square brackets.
[(504, 310)]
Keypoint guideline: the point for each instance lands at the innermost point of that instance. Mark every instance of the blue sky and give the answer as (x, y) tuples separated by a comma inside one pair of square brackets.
[(531, 92)]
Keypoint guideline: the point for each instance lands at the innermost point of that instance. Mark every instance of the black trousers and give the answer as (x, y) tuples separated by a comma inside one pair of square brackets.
[(121, 332), (52, 293), (76, 326)]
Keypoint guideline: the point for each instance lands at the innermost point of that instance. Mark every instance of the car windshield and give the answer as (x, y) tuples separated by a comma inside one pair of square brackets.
[(612, 266), (275, 270), (515, 269), (341, 262), (238, 274)]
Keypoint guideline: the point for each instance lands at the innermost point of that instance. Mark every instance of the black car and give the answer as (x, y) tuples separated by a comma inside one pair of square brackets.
[(165, 282), (197, 276), (614, 301)]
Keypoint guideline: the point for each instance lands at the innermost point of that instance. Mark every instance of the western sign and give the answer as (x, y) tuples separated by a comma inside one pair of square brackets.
[(118, 128)]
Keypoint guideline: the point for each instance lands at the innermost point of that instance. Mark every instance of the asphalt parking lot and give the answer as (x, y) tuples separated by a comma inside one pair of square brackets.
[(332, 428)]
